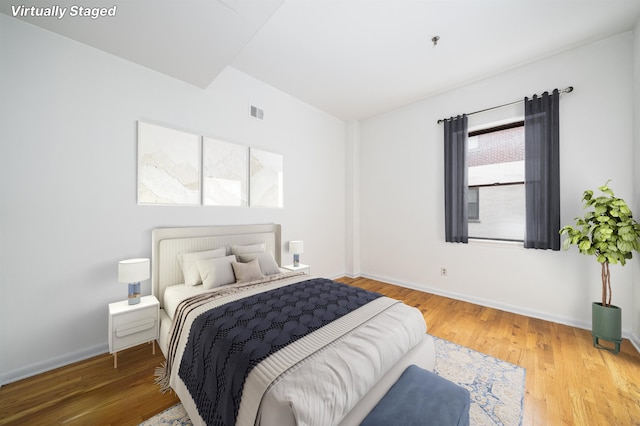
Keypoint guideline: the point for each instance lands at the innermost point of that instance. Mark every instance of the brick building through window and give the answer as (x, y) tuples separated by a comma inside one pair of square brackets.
[(496, 183)]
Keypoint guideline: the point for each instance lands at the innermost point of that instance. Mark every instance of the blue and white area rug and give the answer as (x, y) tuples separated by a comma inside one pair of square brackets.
[(496, 387)]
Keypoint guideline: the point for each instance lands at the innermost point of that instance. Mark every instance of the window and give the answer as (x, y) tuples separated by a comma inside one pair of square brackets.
[(542, 174), (473, 197), (496, 179)]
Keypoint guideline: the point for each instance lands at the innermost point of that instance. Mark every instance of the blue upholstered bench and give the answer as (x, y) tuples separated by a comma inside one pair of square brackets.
[(420, 397)]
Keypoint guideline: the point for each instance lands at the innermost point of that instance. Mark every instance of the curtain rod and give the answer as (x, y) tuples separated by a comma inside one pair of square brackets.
[(567, 90)]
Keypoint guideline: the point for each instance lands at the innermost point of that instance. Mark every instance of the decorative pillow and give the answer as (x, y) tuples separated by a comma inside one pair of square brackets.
[(217, 271), (246, 272), (267, 263), (251, 248), (188, 263)]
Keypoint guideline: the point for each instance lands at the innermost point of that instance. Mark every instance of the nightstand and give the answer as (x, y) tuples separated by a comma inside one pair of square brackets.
[(301, 267), (131, 325)]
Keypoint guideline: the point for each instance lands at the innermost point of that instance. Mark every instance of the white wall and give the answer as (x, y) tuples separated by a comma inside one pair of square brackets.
[(352, 175), (402, 224), (635, 326), (68, 209)]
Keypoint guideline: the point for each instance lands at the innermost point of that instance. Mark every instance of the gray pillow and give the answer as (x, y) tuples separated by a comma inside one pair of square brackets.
[(267, 263), (246, 272), (250, 248)]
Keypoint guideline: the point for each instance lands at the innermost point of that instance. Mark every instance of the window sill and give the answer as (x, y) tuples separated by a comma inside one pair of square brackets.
[(497, 243)]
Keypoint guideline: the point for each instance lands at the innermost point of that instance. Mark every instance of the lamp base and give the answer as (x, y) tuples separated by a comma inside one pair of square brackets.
[(296, 260), (134, 293)]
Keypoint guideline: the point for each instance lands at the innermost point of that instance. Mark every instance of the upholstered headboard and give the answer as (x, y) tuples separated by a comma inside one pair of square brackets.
[(168, 242)]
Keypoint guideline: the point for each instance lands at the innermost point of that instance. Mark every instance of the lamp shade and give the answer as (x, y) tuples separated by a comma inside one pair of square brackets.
[(296, 247), (134, 270)]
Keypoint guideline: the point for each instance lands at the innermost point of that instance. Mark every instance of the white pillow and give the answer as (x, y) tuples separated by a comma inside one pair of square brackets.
[(268, 264), (188, 263), (251, 248), (217, 271), (246, 272)]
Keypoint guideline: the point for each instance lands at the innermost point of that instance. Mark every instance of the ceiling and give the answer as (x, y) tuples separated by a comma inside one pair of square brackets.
[(350, 58)]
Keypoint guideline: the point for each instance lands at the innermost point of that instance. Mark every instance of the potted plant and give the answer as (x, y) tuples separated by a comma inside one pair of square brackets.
[(609, 232)]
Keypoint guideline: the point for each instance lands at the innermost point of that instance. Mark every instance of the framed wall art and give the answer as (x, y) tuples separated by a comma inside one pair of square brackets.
[(224, 173), (266, 179), (168, 166)]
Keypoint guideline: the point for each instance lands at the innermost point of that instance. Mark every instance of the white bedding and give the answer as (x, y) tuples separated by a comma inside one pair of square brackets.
[(325, 386), (175, 294), (323, 390)]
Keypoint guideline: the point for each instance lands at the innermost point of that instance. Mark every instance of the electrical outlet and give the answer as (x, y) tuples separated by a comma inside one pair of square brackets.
[(443, 272)]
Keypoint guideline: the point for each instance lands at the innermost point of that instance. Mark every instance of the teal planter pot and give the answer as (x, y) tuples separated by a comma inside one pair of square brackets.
[(606, 324)]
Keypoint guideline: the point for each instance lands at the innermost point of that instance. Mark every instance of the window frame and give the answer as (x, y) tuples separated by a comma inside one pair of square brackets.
[(519, 122), (476, 189)]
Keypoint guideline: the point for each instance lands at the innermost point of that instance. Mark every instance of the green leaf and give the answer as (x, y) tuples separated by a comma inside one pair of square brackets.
[(604, 188), (600, 209), (584, 245), (625, 229), (624, 246), (607, 230)]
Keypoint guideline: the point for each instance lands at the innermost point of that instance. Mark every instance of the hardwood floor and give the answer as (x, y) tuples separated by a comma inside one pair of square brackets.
[(568, 381), (90, 392)]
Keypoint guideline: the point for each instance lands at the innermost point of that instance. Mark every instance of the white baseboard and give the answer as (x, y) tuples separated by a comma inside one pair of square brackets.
[(586, 325), (50, 364), (352, 276), (635, 341), (66, 359)]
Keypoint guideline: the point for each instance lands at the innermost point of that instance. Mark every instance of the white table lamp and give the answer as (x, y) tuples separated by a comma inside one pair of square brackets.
[(296, 247), (132, 271)]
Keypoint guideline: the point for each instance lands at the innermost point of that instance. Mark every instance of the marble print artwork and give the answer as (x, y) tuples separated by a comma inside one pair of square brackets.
[(225, 173), (168, 166), (266, 179)]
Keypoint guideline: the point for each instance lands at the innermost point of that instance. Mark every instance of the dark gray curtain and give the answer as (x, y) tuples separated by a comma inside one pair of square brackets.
[(542, 171), (455, 180)]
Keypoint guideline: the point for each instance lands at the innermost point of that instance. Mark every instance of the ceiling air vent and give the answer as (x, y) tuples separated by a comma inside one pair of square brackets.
[(256, 112)]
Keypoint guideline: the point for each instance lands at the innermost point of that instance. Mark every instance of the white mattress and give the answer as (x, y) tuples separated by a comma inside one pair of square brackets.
[(175, 294)]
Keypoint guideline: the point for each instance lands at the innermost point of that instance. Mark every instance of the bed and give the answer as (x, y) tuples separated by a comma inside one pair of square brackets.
[(354, 344)]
